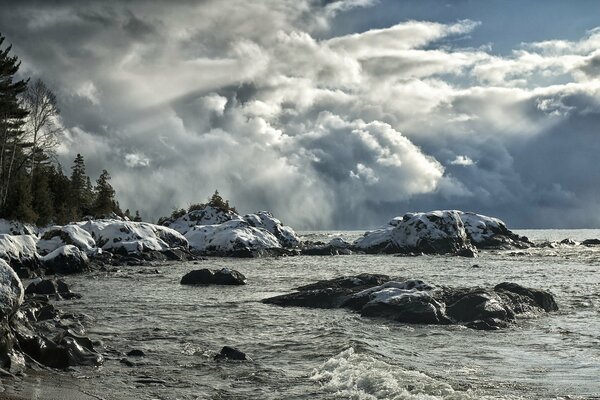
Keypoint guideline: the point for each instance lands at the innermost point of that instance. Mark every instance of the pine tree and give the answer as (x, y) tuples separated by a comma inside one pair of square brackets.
[(19, 202), (80, 195), (105, 196), (42, 197), (12, 116), (138, 217), (60, 187)]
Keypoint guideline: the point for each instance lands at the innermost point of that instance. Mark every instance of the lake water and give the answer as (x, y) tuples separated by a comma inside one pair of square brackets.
[(335, 354)]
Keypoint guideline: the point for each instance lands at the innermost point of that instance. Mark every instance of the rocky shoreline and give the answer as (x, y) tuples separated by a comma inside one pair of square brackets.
[(34, 333)]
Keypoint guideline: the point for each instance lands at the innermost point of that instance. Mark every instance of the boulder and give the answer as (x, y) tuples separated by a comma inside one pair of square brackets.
[(56, 287), (66, 260), (205, 276), (10, 227), (55, 237), (20, 253), (11, 291)]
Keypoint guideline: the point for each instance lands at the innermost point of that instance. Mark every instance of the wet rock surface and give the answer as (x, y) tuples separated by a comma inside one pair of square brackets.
[(205, 276), (231, 353), (415, 301)]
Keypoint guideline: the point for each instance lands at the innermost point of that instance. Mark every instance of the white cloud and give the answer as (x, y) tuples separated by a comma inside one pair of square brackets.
[(462, 161)]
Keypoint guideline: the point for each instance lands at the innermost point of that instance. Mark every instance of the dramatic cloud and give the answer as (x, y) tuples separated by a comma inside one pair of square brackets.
[(258, 100)]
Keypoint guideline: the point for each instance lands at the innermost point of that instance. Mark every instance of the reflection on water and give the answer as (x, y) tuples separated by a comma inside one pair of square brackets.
[(303, 353)]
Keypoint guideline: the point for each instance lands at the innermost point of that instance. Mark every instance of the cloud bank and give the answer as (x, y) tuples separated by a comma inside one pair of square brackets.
[(256, 100)]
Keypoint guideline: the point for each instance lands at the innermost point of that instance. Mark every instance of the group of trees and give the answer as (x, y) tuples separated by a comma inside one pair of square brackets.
[(33, 187), (216, 201)]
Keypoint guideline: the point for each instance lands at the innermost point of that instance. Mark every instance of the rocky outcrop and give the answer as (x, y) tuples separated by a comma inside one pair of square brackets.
[(415, 301), (132, 237), (222, 232), (205, 276), (435, 232), (441, 232), (235, 238)]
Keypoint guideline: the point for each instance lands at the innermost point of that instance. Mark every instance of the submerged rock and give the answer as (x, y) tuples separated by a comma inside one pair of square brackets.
[(231, 353), (205, 276), (415, 301)]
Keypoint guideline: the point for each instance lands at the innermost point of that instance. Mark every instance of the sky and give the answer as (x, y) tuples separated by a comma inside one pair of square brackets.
[(331, 114)]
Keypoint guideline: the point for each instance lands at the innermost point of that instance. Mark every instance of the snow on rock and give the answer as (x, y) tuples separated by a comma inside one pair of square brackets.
[(434, 232), (132, 237), (17, 228), (489, 232), (232, 238), (19, 249), (67, 259), (11, 290), (207, 215), (57, 236), (265, 220)]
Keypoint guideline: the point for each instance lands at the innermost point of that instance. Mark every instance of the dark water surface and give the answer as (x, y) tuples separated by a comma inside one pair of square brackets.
[(329, 354)]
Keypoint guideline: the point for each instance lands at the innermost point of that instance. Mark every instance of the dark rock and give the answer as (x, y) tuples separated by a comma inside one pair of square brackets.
[(56, 287), (467, 252), (230, 353), (357, 282), (127, 362), (479, 304), (67, 262), (410, 309), (591, 242), (569, 242), (316, 298), (136, 353), (541, 298), (414, 301), (224, 276)]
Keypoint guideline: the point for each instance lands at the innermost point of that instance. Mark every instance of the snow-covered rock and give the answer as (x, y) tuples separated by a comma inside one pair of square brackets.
[(132, 237), (57, 236), (265, 220), (490, 232), (17, 228), (208, 215), (11, 291), (434, 232), (231, 238), (19, 250), (67, 259)]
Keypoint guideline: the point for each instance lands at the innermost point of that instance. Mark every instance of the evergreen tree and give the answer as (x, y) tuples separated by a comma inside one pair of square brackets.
[(105, 196), (60, 187), (19, 202), (42, 203), (12, 118), (138, 217), (80, 195)]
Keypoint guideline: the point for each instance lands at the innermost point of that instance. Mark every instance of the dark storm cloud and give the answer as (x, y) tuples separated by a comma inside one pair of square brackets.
[(180, 99)]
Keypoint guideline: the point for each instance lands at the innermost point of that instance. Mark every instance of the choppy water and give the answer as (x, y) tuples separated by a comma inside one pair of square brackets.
[(335, 354)]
